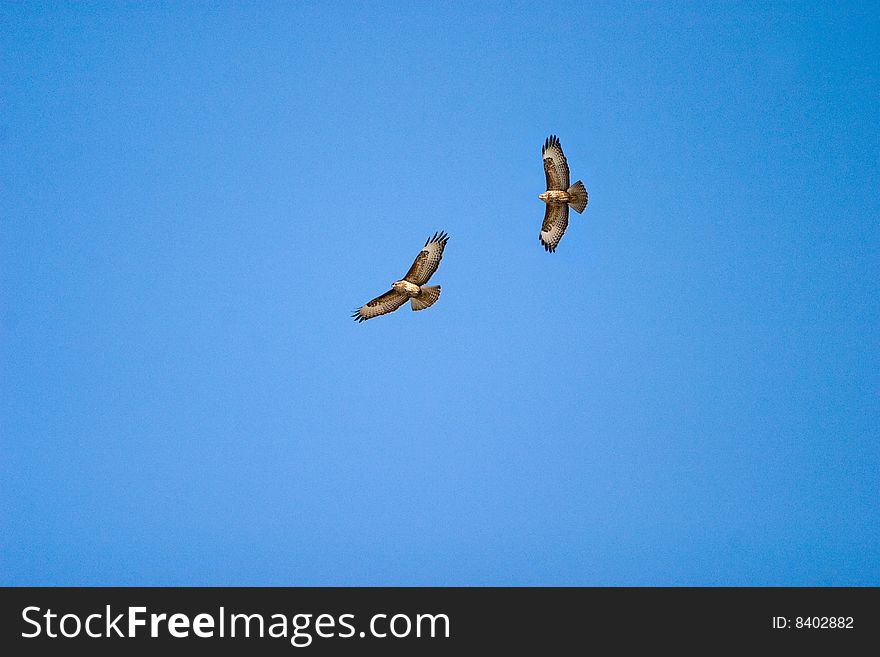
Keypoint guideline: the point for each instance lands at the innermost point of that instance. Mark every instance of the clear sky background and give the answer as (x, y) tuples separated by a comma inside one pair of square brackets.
[(194, 199)]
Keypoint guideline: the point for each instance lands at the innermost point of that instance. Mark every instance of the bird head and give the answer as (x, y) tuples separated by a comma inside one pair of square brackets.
[(543, 196)]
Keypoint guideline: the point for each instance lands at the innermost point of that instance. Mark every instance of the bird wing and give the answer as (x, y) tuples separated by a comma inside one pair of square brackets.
[(381, 305), (555, 164), (428, 260), (555, 223)]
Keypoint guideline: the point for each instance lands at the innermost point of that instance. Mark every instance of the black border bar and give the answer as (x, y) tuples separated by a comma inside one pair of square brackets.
[(519, 619)]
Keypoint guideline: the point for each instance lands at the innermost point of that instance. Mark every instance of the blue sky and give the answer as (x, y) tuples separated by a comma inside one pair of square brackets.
[(195, 198)]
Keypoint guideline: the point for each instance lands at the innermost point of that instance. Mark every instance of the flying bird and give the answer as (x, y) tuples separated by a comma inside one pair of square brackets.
[(412, 286), (559, 194)]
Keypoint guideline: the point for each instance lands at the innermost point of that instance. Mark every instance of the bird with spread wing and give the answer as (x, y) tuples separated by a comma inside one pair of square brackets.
[(412, 286), (559, 194)]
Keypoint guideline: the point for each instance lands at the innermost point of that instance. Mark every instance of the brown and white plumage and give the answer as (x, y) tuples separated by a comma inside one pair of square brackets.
[(555, 223), (412, 286), (555, 164), (560, 194), (428, 260), (386, 303)]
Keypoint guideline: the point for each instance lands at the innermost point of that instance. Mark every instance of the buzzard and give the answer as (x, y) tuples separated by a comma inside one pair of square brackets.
[(412, 286), (558, 195)]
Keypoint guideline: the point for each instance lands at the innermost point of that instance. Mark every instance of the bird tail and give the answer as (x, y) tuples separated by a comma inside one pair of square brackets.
[(426, 298), (579, 198)]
